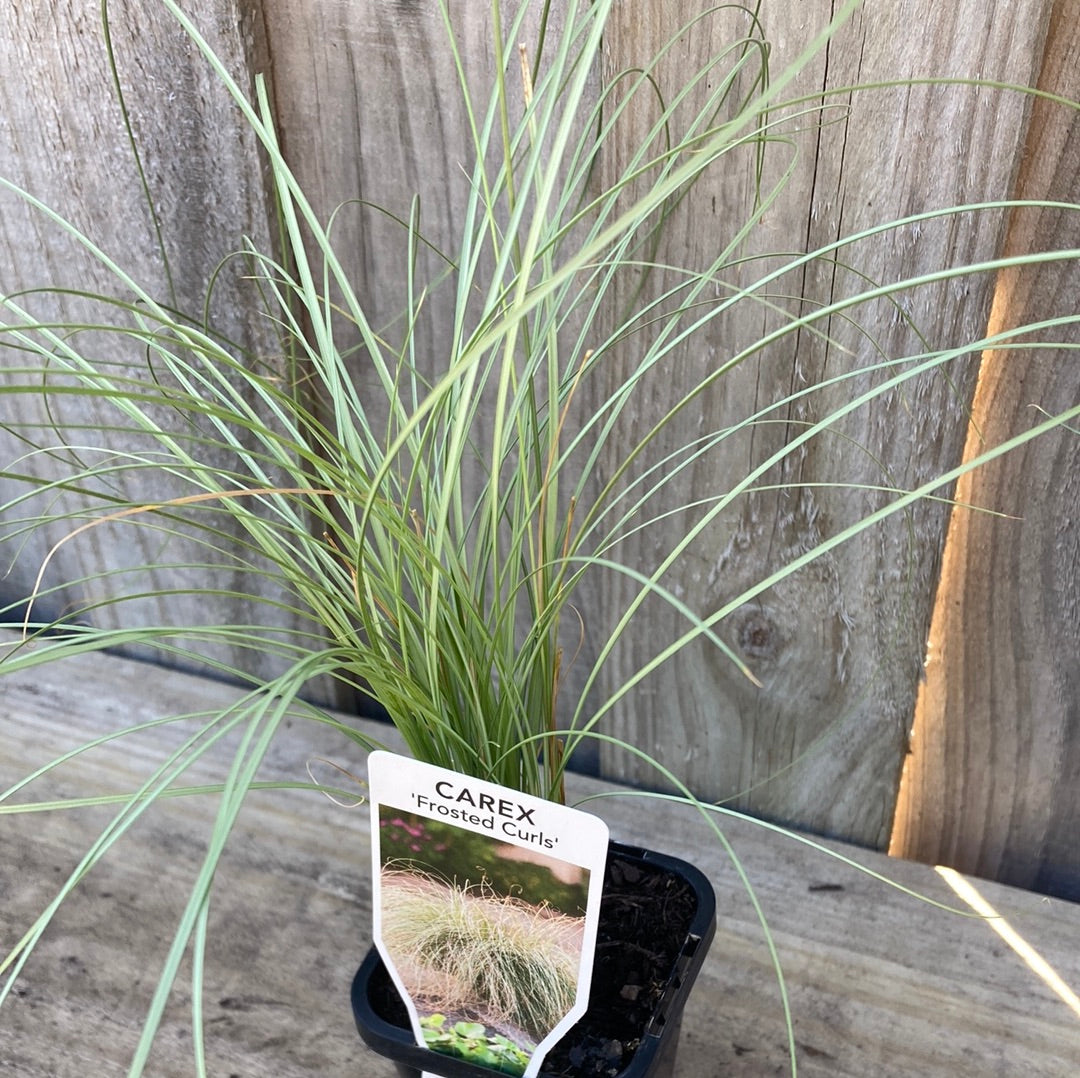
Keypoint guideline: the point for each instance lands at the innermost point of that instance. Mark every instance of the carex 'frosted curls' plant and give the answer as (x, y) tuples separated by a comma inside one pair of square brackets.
[(430, 532)]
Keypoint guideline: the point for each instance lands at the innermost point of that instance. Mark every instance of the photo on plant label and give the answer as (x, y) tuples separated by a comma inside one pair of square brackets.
[(485, 936)]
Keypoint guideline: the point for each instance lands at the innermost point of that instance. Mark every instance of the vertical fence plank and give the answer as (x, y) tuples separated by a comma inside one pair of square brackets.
[(64, 141), (370, 117), (993, 784), (375, 128), (838, 647)]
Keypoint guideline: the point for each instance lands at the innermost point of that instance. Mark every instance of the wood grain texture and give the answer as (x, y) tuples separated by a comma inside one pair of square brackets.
[(372, 119), (880, 984), (837, 647), (62, 138), (993, 785)]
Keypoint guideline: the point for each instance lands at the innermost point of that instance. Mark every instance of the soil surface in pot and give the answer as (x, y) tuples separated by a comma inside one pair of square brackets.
[(644, 918)]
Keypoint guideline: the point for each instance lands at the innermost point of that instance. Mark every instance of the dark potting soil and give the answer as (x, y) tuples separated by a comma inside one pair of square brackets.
[(644, 918)]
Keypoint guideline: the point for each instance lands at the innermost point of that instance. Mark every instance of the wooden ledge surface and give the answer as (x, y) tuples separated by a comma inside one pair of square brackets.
[(880, 983)]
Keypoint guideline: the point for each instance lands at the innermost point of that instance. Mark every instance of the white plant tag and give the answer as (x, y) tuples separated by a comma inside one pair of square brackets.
[(485, 907)]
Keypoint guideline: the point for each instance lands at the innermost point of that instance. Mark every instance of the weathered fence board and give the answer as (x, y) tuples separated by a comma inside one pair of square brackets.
[(64, 140), (993, 784), (839, 647)]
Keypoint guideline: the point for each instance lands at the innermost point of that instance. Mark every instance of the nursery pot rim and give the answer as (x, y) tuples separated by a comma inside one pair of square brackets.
[(657, 1038)]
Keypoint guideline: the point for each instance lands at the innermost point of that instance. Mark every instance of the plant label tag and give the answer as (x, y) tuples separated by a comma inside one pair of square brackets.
[(485, 909)]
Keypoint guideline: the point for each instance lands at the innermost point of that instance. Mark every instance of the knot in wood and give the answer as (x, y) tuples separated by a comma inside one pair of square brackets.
[(757, 634)]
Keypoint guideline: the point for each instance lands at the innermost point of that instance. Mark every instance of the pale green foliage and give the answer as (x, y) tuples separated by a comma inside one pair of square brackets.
[(434, 538)]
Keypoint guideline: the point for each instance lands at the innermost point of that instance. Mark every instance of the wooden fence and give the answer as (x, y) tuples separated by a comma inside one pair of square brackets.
[(366, 102)]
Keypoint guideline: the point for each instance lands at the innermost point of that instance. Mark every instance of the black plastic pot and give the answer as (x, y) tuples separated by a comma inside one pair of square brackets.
[(374, 996)]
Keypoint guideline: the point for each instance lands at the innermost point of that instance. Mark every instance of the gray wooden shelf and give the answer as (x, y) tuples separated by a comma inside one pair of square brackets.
[(881, 984)]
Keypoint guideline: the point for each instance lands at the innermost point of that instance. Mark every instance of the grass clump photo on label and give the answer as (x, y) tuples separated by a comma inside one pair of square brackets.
[(486, 936)]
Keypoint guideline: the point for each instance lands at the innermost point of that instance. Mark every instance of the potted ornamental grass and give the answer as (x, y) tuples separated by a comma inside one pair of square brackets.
[(430, 520)]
